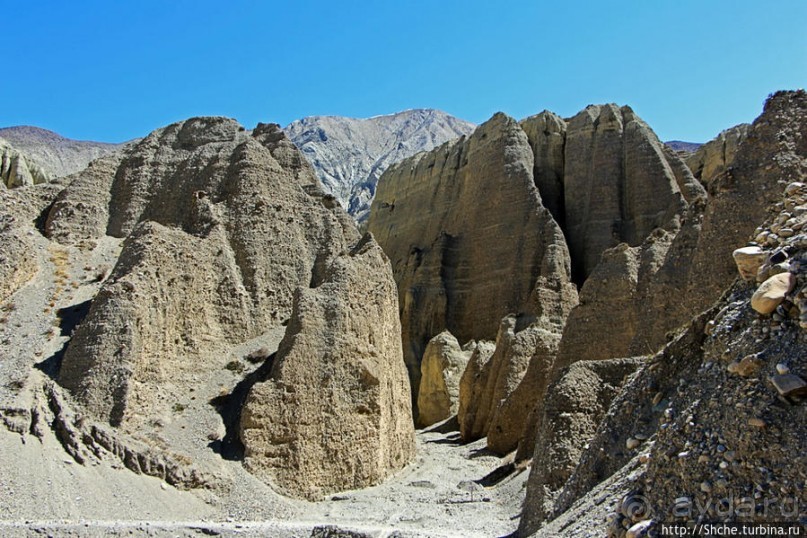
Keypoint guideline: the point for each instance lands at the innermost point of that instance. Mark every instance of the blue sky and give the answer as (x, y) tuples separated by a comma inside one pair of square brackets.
[(114, 70)]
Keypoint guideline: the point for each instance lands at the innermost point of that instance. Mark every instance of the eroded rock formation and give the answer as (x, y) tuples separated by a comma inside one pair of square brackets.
[(573, 408), (470, 240), (620, 183), (444, 362), (335, 412)]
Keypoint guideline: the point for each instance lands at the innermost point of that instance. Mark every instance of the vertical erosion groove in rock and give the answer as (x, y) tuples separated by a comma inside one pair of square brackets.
[(335, 412), (222, 228), (619, 183), (708, 402), (469, 239)]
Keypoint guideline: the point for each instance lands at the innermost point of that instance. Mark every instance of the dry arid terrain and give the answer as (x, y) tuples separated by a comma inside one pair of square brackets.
[(539, 327)]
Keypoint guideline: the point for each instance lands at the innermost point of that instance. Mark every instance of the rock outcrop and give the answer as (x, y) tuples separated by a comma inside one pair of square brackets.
[(620, 183), (349, 155), (716, 156), (505, 389), (334, 413), (56, 155), (223, 226), (441, 217), (17, 169), (444, 362), (637, 295), (81, 211)]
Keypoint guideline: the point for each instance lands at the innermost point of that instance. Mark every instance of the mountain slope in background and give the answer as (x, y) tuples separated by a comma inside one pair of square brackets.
[(55, 154), (349, 155)]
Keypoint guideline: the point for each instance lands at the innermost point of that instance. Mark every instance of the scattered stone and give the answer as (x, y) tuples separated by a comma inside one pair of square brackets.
[(639, 530), (756, 422), (749, 260), (772, 292), (632, 443), (789, 385)]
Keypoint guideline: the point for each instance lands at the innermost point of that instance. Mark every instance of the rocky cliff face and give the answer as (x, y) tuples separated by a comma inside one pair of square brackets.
[(56, 155), (335, 413), (227, 235), (349, 155), (442, 216), (620, 183), (200, 203)]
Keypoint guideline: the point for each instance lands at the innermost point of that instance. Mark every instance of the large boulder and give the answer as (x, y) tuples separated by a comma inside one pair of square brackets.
[(444, 362), (442, 218), (335, 412)]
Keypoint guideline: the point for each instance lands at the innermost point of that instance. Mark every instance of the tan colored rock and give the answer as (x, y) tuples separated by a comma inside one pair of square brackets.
[(716, 156), (620, 183), (749, 260), (502, 393), (470, 240), (236, 227), (335, 412), (547, 135), (444, 362), (473, 381), (513, 414), (771, 293), (81, 211)]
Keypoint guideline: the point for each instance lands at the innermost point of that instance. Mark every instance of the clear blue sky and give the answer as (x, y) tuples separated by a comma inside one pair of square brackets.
[(114, 70)]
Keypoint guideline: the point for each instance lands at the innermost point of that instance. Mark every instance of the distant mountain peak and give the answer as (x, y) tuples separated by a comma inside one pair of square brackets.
[(56, 155), (350, 154)]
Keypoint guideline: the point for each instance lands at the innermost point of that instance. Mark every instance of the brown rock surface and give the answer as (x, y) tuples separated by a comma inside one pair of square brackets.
[(547, 135), (335, 412), (442, 216), (444, 361), (498, 378), (690, 401)]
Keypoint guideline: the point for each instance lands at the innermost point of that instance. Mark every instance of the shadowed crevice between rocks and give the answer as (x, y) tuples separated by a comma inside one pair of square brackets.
[(69, 318), (229, 408)]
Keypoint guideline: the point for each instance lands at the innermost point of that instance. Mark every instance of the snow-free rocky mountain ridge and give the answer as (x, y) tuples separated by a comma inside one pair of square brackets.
[(56, 155), (349, 155)]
